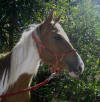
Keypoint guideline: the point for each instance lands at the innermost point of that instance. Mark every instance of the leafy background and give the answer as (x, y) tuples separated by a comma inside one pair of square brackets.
[(81, 21)]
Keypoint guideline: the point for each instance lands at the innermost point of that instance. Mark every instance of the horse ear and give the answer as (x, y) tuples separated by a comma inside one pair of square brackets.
[(57, 19), (50, 17)]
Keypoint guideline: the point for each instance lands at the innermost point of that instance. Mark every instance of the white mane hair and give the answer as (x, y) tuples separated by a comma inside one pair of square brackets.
[(24, 59)]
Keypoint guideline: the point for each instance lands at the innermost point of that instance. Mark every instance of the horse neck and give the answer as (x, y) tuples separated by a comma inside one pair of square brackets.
[(24, 60), (25, 57)]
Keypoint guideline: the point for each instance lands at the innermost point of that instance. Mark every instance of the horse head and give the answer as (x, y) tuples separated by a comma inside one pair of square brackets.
[(54, 38)]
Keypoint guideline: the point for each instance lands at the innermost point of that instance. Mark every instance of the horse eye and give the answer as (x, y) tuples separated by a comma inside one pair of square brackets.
[(58, 37)]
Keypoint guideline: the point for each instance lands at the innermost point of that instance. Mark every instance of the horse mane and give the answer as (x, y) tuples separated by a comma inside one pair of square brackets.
[(4, 71), (22, 59), (4, 63)]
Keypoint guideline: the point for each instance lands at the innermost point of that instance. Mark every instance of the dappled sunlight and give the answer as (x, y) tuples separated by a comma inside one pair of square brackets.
[(80, 20)]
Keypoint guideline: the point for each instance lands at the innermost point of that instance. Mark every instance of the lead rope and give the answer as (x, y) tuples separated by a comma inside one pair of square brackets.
[(31, 88)]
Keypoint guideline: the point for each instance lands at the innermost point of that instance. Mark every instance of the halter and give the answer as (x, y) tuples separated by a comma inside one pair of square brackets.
[(58, 57)]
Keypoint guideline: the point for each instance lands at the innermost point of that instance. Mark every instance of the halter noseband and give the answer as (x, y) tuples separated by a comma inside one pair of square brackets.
[(58, 57)]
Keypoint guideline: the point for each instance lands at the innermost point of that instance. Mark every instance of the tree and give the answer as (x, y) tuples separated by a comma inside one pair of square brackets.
[(14, 15), (81, 27)]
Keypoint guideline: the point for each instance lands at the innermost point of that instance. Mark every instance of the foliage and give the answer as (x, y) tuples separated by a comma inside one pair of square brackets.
[(81, 21), (14, 14)]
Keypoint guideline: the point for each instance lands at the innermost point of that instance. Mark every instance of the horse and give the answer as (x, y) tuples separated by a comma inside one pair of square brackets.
[(22, 63)]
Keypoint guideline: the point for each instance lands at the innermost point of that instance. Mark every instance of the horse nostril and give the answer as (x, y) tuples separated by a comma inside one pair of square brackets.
[(80, 69)]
